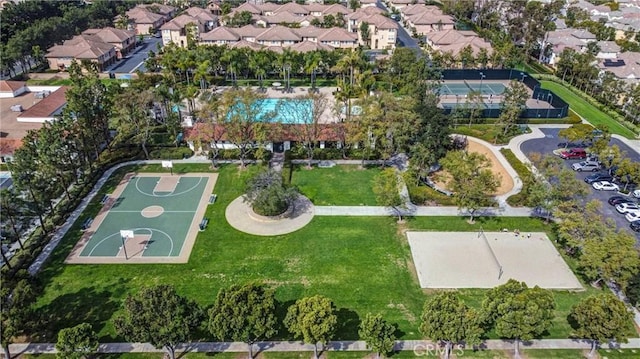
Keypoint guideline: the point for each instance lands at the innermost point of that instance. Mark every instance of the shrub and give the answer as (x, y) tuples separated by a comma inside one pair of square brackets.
[(268, 195), (170, 153), (522, 198)]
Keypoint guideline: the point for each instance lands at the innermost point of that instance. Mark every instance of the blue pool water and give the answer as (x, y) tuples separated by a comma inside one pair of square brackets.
[(287, 111)]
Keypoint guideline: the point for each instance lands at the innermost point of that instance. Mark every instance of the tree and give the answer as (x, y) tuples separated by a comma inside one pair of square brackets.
[(518, 312), (76, 342), (244, 313), (158, 315), (313, 320), (365, 33), (377, 333), (245, 122), (14, 209), (577, 132), (599, 318), (471, 180), (611, 257), (386, 187), (305, 113), (268, 195), (16, 312), (515, 99), (448, 319), (133, 120)]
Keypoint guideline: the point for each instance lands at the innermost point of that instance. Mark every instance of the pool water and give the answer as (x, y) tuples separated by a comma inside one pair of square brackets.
[(280, 110)]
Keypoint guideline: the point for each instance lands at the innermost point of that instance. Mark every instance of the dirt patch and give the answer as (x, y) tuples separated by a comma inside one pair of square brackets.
[(442, 178), (407, 314)]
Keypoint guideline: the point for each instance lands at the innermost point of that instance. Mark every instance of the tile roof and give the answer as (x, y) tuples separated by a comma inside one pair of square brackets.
[(631, 68), (48, 106), (80, 47), (608, 46), (249, 31), (179, 22), (427, 18), (309, 46), (415, 9), (221, 33), (381, 22), (244, 44), (337, 34), (364, 12), (110, 34), (162, 9), (201, 14), (10, 86), (278, 33), (143, 16)]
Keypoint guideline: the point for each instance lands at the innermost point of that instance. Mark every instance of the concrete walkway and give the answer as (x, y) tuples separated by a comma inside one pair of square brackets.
[(239, 347)]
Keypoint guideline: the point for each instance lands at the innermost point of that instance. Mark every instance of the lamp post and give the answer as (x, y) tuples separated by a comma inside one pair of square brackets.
[(550, 100), (523, 76), (287, 71), (482, 76)]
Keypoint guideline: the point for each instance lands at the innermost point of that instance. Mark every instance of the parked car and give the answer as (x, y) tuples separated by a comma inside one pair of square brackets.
[(627, 207), (574, 154), (586, 166), (632, 216), (598, 177), (636, 193), (614, 200), (635, 226), (605, 186)]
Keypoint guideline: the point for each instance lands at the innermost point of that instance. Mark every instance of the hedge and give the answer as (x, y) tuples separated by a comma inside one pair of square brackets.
[(520, 199)]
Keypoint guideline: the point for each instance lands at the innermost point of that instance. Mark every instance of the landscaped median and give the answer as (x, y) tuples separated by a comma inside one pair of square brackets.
[(588, 111)]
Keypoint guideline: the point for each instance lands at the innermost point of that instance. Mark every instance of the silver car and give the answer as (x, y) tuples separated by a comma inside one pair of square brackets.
[(586, 166)]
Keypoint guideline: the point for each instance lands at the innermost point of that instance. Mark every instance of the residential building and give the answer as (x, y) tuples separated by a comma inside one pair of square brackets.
[(123, 40), (181, 30), (205, 16), (277, 37), (625, 67), (166, 11), (143, 21), (559, 40), (382, 30), (81, 48), (422, 19), (608, 50), (399, 4), (453, 41)]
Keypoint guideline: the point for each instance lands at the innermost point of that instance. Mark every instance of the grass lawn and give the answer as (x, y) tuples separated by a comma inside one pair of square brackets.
[(362, 263), (480, 354), (587, 110), (487, 132), (340, 185)]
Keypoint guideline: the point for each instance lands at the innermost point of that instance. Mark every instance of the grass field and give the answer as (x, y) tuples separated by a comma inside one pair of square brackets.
[(481, 354), (362, 263), (587, 110), (336, 186)]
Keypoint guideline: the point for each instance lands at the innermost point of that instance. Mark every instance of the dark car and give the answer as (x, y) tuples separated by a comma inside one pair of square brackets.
[(635, 225), (620, 199), (574, 144), (597, 177)]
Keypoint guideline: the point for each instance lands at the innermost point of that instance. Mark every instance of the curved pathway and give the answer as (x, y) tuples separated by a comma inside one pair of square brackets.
[(241, 217)]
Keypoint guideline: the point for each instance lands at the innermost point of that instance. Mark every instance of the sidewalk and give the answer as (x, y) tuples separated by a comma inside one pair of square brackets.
[(240, 347)]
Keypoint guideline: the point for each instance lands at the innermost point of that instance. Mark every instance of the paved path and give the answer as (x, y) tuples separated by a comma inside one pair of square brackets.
[(238, 347)]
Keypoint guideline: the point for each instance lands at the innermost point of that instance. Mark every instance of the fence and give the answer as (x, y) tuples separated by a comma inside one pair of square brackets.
[(559, 108)]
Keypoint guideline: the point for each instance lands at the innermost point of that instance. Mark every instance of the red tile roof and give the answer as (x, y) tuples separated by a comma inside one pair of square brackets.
[(48, 106), (10, 86)]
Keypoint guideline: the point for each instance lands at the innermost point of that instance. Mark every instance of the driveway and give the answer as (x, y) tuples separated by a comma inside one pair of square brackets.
[(135, 60), (550, 143)]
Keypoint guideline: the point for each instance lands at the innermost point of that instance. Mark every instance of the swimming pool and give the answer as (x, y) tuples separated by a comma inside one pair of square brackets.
[(282, 110)]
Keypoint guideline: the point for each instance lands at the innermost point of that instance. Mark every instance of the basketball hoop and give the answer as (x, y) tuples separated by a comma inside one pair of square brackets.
[(124, 235), (169, 165)]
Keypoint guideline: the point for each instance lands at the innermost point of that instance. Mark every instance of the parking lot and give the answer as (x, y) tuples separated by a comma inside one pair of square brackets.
[(549, 143), (135, 60)]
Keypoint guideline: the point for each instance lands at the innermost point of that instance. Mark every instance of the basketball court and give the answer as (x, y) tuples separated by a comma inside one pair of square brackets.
[(149, 218), (488, 259)]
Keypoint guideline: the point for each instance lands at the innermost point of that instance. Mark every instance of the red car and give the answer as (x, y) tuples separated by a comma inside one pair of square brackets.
[(574, 154)]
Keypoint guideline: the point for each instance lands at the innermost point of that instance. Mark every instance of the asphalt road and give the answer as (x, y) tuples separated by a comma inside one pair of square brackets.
[(135, 60), (550, 143), (403, 35)]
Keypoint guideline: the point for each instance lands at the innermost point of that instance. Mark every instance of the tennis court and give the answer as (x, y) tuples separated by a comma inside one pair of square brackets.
[(162, 212), (488, 259), (449, 88)]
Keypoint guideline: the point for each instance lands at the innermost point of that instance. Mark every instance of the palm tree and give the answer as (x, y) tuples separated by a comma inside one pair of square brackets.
[(286, 62), (312, 61), (259, 62)]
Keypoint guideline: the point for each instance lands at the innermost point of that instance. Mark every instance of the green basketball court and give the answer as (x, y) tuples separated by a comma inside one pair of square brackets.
[(163, 212)]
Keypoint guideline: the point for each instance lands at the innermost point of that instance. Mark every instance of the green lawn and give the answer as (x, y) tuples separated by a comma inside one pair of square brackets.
[(362, 263), (587, 110), (336, 186), (480, 354)]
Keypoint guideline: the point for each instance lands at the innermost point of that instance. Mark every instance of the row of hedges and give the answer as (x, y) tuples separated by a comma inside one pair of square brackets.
[(234, 154), (615, 115), (422, 195), (299, 153), (520, 199)]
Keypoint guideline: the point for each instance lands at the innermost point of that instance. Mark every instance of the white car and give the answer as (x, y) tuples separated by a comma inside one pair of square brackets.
[(586, 166), (632, 216), (627, 207), (636, 193), (605, 186)]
